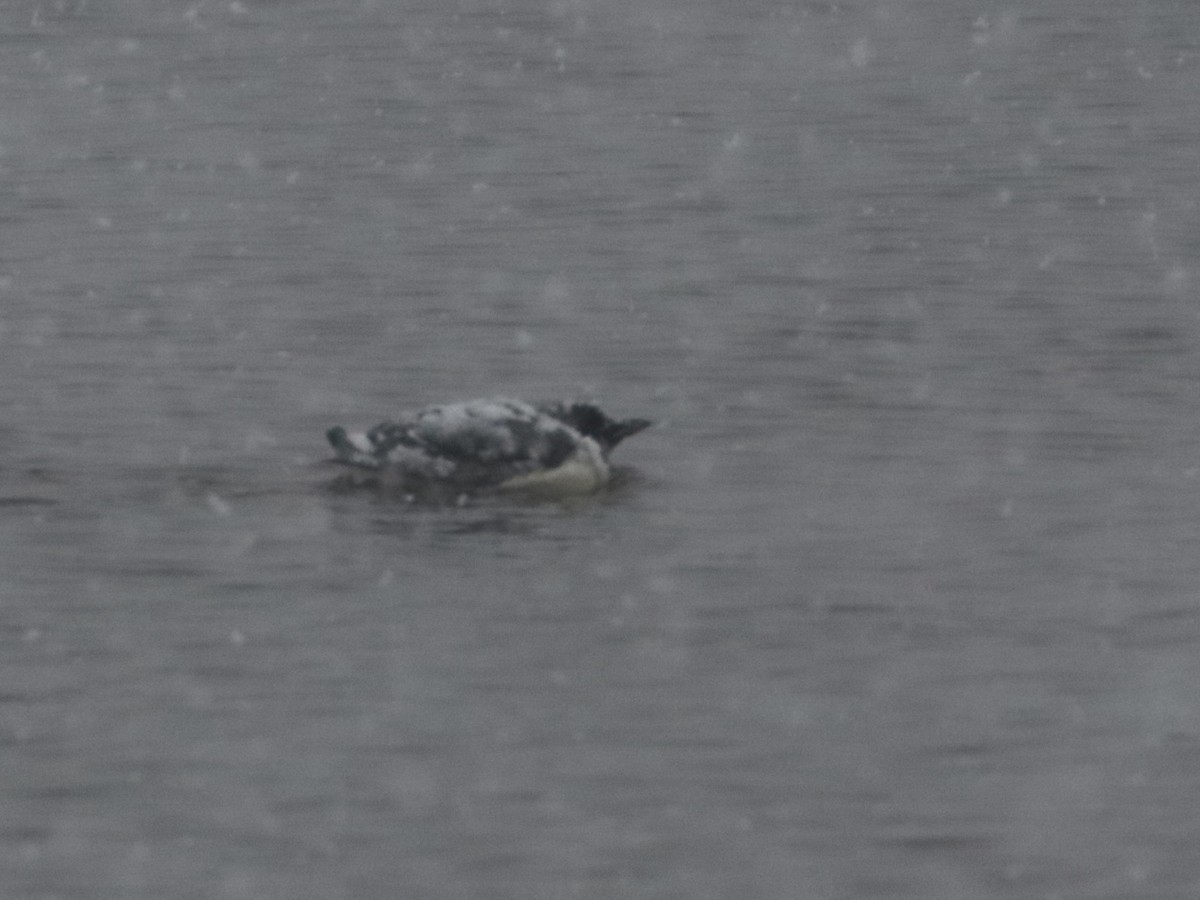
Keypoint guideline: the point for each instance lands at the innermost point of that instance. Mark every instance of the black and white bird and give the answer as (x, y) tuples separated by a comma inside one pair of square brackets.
[(488, 445)]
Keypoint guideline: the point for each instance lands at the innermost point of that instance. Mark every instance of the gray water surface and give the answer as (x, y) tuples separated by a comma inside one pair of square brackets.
[(899, 599)]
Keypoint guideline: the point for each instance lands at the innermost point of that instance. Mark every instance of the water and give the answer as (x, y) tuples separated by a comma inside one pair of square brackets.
[(900, 598)]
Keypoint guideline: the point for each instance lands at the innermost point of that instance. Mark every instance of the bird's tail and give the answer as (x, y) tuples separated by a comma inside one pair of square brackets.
[(351, 448)]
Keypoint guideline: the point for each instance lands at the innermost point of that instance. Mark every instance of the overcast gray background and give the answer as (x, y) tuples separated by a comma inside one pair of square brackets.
[(902, 599)]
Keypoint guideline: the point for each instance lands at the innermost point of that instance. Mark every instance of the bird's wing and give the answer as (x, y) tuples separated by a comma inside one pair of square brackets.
[(504, 437)]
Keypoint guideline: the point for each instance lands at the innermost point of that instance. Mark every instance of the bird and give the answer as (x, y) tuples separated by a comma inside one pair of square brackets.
[(485, 446)]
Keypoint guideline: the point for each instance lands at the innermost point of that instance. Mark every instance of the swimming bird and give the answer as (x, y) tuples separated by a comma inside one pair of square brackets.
[(488, 445)]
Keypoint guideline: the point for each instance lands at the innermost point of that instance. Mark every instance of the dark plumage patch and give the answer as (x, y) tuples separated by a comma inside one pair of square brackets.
[(589, 420)]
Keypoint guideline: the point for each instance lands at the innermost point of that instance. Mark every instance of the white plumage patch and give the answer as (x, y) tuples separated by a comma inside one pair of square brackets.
[(584, 471)]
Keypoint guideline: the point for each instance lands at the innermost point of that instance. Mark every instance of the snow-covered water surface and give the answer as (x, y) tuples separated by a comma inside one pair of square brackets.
[(901, 597)]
